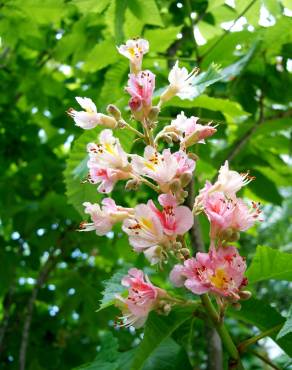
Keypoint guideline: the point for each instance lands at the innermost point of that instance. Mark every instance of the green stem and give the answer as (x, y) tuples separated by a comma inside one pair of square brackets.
[(264, 359), (129, 127), (222, 331), (243, 345)]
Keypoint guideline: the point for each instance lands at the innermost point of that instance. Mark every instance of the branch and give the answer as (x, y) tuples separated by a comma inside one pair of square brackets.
[(264, 359), (228, 31), (7, 303), (42, 278), (243, 345), (235, 362), (241, 142)]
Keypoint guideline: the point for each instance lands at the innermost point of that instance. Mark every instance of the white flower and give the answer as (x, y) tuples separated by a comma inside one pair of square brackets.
[(180, 83), (109, 153), (89, 118), (230, 182), (134, 51)]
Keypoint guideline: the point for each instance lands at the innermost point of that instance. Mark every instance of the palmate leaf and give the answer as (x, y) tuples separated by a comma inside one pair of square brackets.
[(157, 329), (161, 39), (269, 263), (230, 109), (107, 356), (76, 170), (260, 314), (112, 287), (205, 79), (287, 327)]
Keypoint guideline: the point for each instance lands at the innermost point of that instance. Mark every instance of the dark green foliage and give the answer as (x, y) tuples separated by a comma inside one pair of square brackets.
[(54, 50)]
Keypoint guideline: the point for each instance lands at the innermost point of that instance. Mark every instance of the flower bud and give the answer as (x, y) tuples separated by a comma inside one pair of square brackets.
[(114, 111), (245, 295), (177, 246), (132, 184), (185, 179), (175, 185), (153, 113), (107, 121), (236, 306), (185, 252)]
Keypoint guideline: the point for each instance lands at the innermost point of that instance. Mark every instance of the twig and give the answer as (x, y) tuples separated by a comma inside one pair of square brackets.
[(212, 47), (42, 278), (243, 345), (264, 359), (235, 362), (7, 303)]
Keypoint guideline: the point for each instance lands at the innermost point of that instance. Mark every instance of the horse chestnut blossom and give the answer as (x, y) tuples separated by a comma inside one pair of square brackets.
[(103, 218), (141, 87), (228, 216), (163, 168), (142, 298), (153, 231), (159, 229), (187, 131), (181, 84), (134, 51), (108, 162), (89, 118), (219, 271)]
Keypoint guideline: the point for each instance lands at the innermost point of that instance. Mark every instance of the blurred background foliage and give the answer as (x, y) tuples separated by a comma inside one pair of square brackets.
[(53, 50)]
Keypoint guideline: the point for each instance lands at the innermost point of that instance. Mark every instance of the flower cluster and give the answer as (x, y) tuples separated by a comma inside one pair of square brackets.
[(158, 227)]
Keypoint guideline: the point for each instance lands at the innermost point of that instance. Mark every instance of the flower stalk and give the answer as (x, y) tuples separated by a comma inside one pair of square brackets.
[(222, 331)]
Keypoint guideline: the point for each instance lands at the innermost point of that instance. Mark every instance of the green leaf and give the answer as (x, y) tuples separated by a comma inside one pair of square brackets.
[(168, 356), (236, 68), (107, 357), (161, 39), (287, 327), (102, 55), (228, 108), (207, 78), (112, 287), (147, 11), (265, 188), (115, 18), (91, 6), (269, 263), (259, 313), (44, 11), (157, 329)]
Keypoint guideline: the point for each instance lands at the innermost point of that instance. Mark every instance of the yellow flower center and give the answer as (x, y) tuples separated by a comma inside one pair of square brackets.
[(219, 279), (150, 165), (146, 223), (109, 148)]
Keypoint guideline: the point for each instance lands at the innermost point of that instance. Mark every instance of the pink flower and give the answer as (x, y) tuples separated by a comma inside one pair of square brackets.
[(108, 153), (89, 118), (230, 182), (103, 218), (108, 162), (105, 176), (145, 232), (227, 214), (190, 131), (141, 87), (162, 168), (175, 220), (219, 271), (153, 231), (134, 51), (142, 298)]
